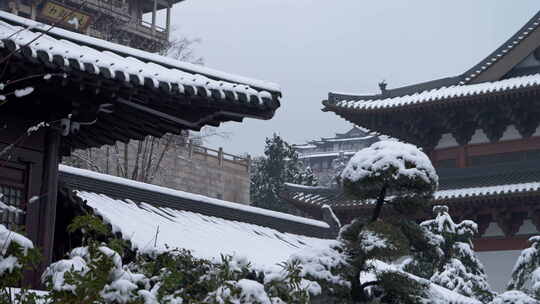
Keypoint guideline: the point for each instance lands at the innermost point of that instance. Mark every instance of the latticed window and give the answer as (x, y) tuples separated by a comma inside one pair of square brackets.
[(12, 215), (12, 196)]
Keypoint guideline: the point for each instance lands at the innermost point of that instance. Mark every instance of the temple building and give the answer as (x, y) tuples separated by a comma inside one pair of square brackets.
[(481, 131), (120, 21), (62, 91), (321, 155)]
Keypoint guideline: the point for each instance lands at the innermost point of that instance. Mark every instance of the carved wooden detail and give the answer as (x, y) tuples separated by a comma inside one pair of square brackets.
[(509, 221), (483, 222), (494, 121), (525, 115), (535, 218), (461, 124)]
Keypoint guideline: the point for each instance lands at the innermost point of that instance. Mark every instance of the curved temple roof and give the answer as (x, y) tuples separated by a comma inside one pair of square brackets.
[(68, 49), (444, 94), (120, 93), (484, 78)]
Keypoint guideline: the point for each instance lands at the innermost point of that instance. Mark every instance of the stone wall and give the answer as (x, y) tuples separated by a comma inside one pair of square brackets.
[(208, 172), (185, 166)]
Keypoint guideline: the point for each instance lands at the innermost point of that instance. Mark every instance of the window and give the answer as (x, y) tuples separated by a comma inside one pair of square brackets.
[(503, 158), (324, 164), (13, 194), (446, 163)]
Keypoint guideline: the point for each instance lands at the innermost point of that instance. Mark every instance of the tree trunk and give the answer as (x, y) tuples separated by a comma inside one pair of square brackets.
[(378, 205)]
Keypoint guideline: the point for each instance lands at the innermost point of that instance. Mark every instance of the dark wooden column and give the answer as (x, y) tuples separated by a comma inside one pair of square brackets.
[(48, 196)]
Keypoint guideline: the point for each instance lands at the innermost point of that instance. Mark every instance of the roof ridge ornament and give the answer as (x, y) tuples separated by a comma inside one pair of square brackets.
[(382, 86)]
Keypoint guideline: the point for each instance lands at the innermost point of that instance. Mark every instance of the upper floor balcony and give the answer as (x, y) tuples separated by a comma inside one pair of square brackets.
[(121, 21)]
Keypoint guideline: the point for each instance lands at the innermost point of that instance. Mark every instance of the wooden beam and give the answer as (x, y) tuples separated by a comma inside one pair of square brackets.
[(48, 197), (154, 16)]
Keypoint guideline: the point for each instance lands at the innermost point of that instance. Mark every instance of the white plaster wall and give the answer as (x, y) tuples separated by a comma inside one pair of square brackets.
[(537, 133), (447, 141), (493, 230), (479, 137), (527, 228), (510, 133), (498, 266)]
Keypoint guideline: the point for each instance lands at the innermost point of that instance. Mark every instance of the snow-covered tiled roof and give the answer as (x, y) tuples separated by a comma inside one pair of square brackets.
[(488, 191), (495, 67), (95, 56), (150, 228), (443, 94), (335, 198), (80, 179), (325, 154)]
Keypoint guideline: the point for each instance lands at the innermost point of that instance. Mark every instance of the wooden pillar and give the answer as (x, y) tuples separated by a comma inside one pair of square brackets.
[(33, 11), (462, 157), (48, 196), (220, 157), (190, 149), (168, 25), (14, 7), (154, 16)]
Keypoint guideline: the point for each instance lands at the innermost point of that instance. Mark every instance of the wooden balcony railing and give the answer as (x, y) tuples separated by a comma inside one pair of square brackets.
[(221, 156)]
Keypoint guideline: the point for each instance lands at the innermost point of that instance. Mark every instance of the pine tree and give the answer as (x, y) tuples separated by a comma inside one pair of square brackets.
[(458, 268), (279, 165), (338, 165), (399, 176), (526, 272)]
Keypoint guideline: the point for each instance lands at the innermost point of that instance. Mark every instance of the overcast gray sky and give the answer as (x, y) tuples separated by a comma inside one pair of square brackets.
[(311, 47)]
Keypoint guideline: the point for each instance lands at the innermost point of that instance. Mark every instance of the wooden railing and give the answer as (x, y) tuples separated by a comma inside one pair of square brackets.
[(145, 29), (219, 155)]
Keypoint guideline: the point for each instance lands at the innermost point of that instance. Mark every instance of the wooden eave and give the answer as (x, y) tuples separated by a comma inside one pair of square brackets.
[(438, 104), (454, 203), (160, 100)]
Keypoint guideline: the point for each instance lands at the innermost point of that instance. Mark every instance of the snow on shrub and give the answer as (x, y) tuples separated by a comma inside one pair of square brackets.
[(17, 254), (403, 168), (513, 297), (93, 273), (526, 272), (14, 249), (458, 268), (391, 175)]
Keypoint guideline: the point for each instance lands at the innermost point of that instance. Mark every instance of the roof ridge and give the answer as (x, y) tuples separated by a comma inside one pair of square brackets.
[(139, 54), (399, 91), (443, 93), (502, 51)]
